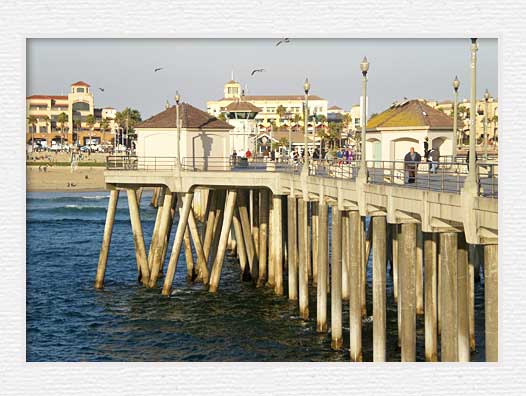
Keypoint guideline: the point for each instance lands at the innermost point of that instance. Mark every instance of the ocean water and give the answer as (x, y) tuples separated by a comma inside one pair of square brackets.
[(68, 320)]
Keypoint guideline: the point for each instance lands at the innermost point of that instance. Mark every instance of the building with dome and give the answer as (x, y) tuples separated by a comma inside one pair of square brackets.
[(268, 105)]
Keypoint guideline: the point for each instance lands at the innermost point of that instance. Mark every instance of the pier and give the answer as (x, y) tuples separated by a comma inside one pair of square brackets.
[(432, 234)]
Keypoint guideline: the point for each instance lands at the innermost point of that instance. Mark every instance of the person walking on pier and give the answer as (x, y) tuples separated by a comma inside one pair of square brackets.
[(234, 158), (434, 156), (411, 161)]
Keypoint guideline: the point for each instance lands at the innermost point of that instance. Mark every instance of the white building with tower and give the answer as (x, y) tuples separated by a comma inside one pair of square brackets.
[(242, 116)]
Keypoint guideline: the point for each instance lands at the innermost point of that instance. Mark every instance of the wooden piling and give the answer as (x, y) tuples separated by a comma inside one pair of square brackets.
[(355, 308), (292, 257), (364, 254), (309, 240), (315, 241), (155, 233), (138, 237), (278, 244), (202, 269), (419, 271), (448, 305), (162, 238), (491, 301), (407, 280), (189, 258), (471, 285), (240, 242), (223, 239), (336, 280), (210, 222), (379, 287), (247, 234), (302, 250), (430, 318), (263, 236), (106, 239), (255, 221), (179, 235), (345, 254), (271, 282), (322, 266), (463, 299), (394, 235)]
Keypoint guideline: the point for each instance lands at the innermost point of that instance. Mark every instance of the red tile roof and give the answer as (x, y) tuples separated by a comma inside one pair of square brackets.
[(277, 97), (243, 106), (47, 97), (191, 117), (80, 83), (334, 108)]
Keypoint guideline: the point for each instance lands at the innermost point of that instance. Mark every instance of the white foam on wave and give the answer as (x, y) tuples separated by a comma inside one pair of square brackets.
[(97, 197)]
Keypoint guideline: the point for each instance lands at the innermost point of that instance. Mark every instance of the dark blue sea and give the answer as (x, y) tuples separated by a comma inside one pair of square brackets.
[(68, 320)]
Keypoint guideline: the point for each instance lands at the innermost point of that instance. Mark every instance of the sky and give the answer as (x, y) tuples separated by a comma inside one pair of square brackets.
[(198, 69)]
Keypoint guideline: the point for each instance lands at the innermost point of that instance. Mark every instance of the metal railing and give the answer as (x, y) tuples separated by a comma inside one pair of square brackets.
[(132, 162), (439, 176)]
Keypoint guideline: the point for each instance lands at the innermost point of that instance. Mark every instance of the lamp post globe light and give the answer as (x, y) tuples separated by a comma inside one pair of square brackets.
[(178, 129), (364, 67), (486, 99), (456, 85), (306, 88)]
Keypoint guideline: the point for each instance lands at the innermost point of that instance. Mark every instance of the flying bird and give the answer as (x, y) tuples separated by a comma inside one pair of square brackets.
[(101, 89), (285, 40), (157, 69), (256, 71)]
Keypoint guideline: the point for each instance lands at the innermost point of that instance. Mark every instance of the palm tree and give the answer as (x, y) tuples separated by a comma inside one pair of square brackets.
[(90, 121), (104, 125), (281, 111), (347, 120), (297, 119), (32, 122), (128, 117), (334, 132), (62, 118)]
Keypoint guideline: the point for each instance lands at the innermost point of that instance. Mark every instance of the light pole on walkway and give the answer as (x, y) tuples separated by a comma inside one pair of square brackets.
[(486, 99), (471, 179), (178, 134), (364, 66), (456, 84), (306, 88)]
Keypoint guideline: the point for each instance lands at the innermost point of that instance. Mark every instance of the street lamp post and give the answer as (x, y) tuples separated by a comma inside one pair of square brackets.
[(456, 84), (364, 66), (471, 179), (306, 88), (486, 98), (178, 133)]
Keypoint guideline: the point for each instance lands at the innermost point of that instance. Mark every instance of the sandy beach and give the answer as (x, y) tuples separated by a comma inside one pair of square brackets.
[(57, 178)]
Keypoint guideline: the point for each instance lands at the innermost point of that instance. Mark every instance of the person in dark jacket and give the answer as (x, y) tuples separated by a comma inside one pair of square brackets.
[(411, 161)]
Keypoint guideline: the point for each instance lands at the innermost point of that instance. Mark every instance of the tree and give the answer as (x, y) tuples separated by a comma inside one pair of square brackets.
[(90, 121), (334, 132), (128, 118), (297, 118), (283, 142), (32, 122), (104, 125), (321, 118), (62, 118), (281, 111), (347, 120)]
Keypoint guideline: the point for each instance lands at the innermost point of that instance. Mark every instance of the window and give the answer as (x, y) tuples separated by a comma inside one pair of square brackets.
[(356, 122), (80, 90), (81, 106), (42, 129)]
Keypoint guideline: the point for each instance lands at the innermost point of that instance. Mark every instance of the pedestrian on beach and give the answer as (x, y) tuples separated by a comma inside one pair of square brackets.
[(411, 161)]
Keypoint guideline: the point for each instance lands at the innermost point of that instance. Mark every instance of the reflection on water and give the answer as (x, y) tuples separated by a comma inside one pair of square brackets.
[(68, 320)]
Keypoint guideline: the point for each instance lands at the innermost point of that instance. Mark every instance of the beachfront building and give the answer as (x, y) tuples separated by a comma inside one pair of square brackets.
[(446, 106), (275, 109), (203, 137), (407, 124), (45, 124)]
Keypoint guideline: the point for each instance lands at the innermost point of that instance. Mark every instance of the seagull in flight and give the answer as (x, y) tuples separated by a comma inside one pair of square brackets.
[(101, 89), (285, 40), (256, 71), (157, 69)]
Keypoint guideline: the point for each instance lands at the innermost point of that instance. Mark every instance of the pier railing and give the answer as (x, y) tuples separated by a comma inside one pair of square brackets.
[(132, 162), (441, 176)]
